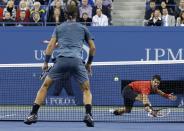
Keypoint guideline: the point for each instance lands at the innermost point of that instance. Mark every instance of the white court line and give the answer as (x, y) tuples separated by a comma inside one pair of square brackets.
[(5, 116)]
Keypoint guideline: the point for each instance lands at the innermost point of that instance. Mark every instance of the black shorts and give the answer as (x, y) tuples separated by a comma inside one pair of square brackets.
[(129, 96)]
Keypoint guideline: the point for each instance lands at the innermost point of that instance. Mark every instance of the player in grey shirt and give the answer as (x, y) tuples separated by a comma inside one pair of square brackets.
[(70, 37)]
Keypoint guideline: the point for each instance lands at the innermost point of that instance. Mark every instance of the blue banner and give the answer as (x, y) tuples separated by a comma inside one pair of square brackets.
[(25, 44)]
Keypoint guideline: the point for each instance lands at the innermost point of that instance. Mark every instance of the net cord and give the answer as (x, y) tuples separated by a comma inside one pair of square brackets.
[(109, 63)]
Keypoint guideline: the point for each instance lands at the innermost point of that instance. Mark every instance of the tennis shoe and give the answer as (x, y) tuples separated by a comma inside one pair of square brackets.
[(117, 112), (32, 118), (88, 120)]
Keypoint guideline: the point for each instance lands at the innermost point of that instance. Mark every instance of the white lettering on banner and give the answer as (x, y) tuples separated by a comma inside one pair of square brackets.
[(59, 101), (178, 55), (163, 54), (39, 55), (159, 53), (148, 54)]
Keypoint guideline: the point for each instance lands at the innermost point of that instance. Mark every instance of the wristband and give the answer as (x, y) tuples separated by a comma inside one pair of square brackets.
[(90, 59), (47, 58)]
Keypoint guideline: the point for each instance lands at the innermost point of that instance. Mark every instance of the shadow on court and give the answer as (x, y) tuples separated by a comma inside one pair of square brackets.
[(99, 126)]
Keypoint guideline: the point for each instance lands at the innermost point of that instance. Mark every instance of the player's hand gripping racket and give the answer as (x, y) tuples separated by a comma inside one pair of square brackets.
[(88, 68), (44, 73)]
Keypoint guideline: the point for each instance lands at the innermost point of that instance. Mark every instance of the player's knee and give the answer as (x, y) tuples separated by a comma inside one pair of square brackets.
[(85, 86), (86, 89), (45, 85)]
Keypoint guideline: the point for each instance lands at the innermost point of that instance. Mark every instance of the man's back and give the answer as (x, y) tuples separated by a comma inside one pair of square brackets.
[(142, 87), (71, 36)]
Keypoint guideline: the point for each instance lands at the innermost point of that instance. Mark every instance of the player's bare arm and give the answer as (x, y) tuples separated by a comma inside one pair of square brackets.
[(146, 103), (169, 96), (139, 97), (92, 51), (50, 47), (148, 107)]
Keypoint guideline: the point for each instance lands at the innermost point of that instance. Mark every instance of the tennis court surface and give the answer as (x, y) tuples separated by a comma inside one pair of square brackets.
[(100, 114), (100, 126)]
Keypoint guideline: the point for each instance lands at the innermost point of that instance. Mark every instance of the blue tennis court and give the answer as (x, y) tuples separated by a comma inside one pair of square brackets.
[(100, 114), (99, 126)]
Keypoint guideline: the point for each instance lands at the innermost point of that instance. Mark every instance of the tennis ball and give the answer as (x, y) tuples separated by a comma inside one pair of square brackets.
[(116, 78)]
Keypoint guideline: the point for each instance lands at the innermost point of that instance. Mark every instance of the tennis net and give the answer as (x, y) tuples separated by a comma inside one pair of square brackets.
[(19, 84)]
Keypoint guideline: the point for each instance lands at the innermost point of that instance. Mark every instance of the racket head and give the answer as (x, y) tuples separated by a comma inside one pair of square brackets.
[(164, 112)]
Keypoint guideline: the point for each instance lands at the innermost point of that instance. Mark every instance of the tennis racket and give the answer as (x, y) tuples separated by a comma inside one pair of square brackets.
[(164, 112)]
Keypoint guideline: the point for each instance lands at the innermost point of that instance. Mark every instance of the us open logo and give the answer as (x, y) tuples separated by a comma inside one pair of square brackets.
[(39, 55)]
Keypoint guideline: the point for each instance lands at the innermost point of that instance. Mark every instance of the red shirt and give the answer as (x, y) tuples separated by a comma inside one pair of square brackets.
[(142, 87)]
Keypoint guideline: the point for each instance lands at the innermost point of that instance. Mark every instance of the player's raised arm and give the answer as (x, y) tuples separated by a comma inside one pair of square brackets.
[(165, 95)]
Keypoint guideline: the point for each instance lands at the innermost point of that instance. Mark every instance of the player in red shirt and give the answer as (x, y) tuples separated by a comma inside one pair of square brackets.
[(139, 91)]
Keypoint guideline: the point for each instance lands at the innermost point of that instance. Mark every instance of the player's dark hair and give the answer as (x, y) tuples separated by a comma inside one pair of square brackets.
[(71, 12), (156, 77)]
